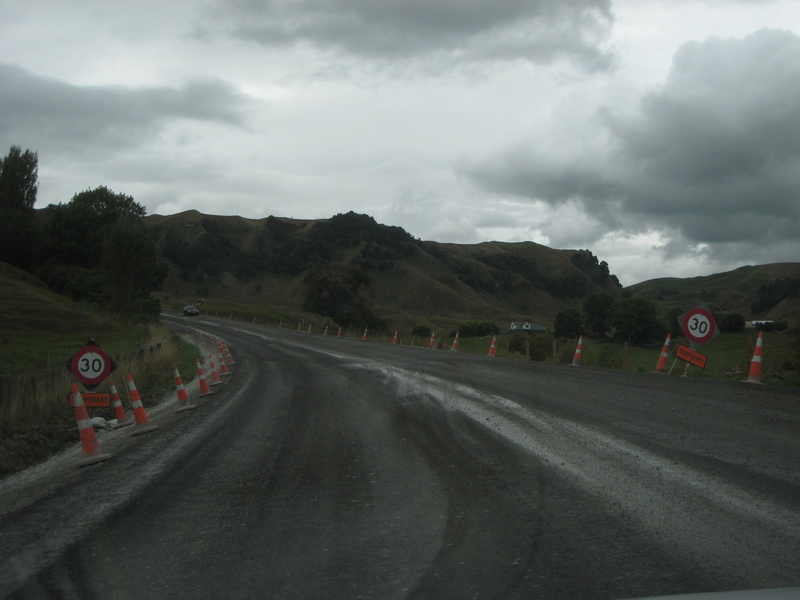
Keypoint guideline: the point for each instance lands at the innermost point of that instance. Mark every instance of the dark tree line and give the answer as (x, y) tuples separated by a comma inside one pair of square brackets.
[(92, 248), (773, 293), (633, 320)]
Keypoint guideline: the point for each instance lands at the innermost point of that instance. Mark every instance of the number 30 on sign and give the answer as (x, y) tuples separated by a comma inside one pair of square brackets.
[(698, 325)]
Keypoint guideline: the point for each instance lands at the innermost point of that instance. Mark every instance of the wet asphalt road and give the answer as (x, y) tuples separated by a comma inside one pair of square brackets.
[(338, 468)]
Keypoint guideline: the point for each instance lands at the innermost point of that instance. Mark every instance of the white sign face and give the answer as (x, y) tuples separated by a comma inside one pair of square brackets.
[(91, 365)]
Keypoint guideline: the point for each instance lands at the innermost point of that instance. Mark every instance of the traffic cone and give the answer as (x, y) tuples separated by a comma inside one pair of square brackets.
[(89, 443), (661, 365), (227, 354), (299, 325), (339, 333), (139, 413), (309, 328), (180, 389), (755, 364), (433, 339), (280, 323), (363, 337), (205, 390), (123, 420), (224, 370), (454, 347), (394, 339), (326, 330), (576, 360), (493, 346), (215, 380)]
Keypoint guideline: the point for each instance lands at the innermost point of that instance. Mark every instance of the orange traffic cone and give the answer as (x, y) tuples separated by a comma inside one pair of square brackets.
[(394, 339), (309, 328), (223, 367), (299, 325), (433, 339), (89, 443), (205, 390), (180, 389), (228, 356), (326, 330), (339, 333), (493, 346), (363, 337), (755, 364), (139, 413), (454, 347), (661, 365), (123, 420), (280, 323), (215, 380), (576, 360)]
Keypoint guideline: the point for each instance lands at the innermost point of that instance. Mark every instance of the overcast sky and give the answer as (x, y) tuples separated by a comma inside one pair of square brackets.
[(663, 136)]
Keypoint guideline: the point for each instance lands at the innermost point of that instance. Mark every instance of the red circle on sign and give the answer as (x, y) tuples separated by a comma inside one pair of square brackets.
[(698, 325), (91, 365)]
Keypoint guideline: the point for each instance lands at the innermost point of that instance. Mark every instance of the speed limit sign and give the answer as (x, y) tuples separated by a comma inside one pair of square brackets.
[(698, 325), (90, 365)]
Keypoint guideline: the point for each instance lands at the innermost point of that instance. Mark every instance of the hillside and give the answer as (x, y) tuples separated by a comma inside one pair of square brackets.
[(733, 291), (264, 261)]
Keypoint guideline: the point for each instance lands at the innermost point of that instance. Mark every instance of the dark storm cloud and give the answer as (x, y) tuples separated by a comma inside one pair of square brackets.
[(453, 30), (46, 113), (714, 153)]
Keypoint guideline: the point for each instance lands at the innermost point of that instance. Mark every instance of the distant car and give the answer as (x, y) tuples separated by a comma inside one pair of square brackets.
[(190, 311)]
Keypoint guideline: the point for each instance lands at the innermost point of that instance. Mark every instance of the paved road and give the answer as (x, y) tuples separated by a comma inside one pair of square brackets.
[(338, 468)]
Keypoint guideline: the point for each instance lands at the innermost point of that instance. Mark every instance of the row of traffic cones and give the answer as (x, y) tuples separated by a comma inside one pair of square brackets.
[(89, 444), (754, 375)]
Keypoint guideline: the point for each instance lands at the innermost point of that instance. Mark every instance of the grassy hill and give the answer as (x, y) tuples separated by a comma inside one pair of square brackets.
[(732, 291), (264, 261)]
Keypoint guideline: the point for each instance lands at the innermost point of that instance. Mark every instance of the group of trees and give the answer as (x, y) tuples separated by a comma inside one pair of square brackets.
[(633, 320), (339, 291), (92, 248)]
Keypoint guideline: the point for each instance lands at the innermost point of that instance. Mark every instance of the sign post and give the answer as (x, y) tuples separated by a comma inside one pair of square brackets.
[(90, 365)]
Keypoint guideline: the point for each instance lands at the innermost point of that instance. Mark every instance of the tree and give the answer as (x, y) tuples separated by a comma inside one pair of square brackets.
[(635, 320), (130, 266), (670, 319), (595, 313), (335, 291), (568, 324), (19, 179), (18, 187), (99, 251), (76, 232), (731, 323)]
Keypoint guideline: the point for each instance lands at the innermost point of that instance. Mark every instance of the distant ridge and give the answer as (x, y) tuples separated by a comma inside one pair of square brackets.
[(265, 261)]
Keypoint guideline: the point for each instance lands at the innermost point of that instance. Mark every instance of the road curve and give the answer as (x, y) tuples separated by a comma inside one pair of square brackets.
[(338, 468)]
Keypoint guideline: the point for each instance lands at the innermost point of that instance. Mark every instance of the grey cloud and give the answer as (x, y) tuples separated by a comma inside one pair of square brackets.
[(454, 30), (52, 114), (713, 154)]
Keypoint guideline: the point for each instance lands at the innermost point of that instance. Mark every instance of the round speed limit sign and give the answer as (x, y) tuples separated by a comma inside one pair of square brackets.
[(698, 325), (91, 365)]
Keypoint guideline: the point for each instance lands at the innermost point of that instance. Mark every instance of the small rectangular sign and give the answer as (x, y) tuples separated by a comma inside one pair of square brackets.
[(691, 356), (92, 399)]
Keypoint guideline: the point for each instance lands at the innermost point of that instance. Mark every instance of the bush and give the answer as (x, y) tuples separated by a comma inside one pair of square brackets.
[(478, 329), (421, 330)]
